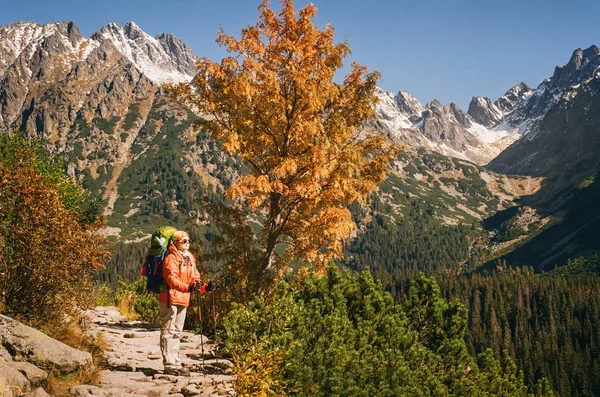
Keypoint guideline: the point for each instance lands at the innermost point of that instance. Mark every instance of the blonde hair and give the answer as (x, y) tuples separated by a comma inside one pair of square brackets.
[(180, 235)]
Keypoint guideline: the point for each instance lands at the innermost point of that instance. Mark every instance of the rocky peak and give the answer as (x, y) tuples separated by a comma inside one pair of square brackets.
[(106, 30), (447, 113), (394, 112), (133, 31), (64, 38), (434, 104), (582, 66), (180, 52), (159, 62), (409, 105), (447, 125), (484, 112), (24, 38), (512, 97), (458, 114)]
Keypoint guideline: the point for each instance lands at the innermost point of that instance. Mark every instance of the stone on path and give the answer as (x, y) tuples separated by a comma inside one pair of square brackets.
[(28, 344), (135, 362), (12, 381), (39, 392)]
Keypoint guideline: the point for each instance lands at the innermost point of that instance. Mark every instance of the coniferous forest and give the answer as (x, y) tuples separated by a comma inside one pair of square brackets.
[(549, 323)]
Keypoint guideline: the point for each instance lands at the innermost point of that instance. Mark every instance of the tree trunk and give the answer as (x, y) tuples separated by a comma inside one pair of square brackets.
[(266, 275)]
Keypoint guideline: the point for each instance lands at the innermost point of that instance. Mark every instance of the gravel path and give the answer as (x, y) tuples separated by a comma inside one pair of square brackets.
[(135, 364)]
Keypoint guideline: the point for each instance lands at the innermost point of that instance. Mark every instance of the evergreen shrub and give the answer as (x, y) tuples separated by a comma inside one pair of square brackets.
[(137, 303), (342, 335)]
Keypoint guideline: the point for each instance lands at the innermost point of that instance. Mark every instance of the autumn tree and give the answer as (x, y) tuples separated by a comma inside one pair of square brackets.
[(48, 245), (275, 104)]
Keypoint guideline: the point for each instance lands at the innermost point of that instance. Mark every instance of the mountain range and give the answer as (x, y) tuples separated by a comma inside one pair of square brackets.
[(99, 102)]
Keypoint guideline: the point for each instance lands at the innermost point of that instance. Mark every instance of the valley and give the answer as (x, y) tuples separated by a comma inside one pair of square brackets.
[(498, 203)]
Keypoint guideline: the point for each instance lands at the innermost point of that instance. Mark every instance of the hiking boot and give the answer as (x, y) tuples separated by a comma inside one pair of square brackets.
[(177, 371)]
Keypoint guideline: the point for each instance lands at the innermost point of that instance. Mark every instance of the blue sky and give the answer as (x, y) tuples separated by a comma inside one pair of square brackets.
[(450, 50)]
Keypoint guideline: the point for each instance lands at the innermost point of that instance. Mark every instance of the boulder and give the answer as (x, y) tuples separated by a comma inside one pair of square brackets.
[(39, 392), (5, 355), (12, 382), (28, 344), (191, 390), (34, 375)]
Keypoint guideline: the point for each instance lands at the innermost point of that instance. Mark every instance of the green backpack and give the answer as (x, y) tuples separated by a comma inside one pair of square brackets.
[(159, 244)]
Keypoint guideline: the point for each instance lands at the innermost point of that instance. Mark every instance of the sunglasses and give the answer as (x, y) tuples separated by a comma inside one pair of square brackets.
[(185, 240)]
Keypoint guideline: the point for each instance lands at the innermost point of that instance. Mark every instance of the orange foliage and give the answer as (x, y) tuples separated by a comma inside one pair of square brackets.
[(47, 257), (274, 103)]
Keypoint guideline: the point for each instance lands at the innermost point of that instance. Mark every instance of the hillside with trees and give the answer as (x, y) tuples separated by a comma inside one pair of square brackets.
[(337, 250)]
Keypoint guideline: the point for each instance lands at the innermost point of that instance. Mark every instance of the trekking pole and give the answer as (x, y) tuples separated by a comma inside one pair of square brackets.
[(201, 332), (214, 313)]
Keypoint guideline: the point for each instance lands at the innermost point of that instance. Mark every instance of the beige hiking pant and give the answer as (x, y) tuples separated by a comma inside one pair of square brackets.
[(171, 325)]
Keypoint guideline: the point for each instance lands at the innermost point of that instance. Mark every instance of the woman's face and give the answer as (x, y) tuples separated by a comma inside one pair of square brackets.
[(183, 244)]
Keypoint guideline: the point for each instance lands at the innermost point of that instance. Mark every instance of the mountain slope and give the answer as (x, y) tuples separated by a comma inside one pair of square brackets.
[(161, 59), (98, 101), (88, 101), (572, 233)]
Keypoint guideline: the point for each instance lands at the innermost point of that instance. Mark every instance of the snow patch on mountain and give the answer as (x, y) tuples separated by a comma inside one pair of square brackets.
[(24, 38), (88, 46), (389, 114), (144, 51), (20, 35), (490, 135)]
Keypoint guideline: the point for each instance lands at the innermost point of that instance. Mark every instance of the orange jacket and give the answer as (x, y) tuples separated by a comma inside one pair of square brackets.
[(179, 273)]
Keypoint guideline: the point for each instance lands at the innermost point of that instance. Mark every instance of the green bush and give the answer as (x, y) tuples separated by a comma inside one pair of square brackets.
[(134, 298), (133, 114), (343, 335)]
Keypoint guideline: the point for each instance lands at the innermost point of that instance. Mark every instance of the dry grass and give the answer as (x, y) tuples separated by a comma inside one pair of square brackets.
[(74, 334), (125, 304)]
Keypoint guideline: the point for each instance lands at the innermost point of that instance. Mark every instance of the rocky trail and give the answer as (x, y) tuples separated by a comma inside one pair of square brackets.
[(132, 361), (135, 363)]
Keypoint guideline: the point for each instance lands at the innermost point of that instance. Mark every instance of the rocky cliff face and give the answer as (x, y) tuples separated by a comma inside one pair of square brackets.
[(98, 101), (161, 59), (560, 116), (512, 97), (483, 111), (442, 128)]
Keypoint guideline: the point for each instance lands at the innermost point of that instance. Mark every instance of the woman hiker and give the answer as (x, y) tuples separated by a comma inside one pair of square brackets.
[(182, 278)]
